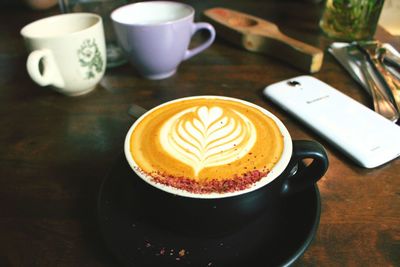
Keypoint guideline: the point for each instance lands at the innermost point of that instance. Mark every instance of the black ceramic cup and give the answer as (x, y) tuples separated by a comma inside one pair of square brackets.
[(219, 213)]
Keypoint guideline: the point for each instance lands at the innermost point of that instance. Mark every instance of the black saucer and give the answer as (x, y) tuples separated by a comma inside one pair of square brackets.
[(136, 241)]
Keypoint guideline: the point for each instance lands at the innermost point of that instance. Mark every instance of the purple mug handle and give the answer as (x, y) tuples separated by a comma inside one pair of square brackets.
[(195, 28)]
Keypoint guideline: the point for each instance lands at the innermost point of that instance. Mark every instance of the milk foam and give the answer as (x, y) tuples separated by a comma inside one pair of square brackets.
[(204, 136)]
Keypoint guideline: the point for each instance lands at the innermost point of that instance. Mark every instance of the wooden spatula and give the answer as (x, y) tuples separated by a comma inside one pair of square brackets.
[(258, 35)]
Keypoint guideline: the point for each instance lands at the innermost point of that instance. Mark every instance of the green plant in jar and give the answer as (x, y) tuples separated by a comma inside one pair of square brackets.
[(351, 19)]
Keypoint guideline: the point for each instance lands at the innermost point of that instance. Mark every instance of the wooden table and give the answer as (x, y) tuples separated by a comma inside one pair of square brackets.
[(55, 150)]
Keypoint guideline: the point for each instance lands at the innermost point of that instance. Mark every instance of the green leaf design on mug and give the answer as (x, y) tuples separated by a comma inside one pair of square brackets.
[(90, 58)]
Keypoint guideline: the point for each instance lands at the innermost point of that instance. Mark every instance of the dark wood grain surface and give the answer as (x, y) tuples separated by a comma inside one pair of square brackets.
[(54, 150)]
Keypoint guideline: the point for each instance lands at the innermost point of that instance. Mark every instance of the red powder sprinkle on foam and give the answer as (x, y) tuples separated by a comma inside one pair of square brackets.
[(236, 183)]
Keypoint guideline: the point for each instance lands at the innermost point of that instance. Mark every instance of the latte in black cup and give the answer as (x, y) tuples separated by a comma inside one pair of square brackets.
[(207, 145), (213, 164)]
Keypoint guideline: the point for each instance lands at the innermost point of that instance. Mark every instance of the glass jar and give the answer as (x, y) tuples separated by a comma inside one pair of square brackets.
[(351, 20)]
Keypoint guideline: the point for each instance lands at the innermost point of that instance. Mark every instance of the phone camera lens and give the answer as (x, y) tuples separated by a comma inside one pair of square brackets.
[(293, 83)]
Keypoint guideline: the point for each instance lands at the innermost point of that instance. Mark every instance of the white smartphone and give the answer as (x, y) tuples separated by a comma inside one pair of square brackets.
[(365, 136)]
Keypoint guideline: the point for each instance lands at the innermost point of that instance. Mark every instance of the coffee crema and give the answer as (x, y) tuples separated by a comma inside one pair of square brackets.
[(205, 145)]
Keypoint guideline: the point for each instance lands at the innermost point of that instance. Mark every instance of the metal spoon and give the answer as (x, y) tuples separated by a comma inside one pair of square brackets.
[(391, 63), (387, 58), (371, 50), (382, 104), (391, 58)]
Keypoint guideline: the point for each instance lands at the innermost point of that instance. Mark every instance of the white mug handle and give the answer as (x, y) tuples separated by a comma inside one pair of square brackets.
[(50, 75), (196, 27)]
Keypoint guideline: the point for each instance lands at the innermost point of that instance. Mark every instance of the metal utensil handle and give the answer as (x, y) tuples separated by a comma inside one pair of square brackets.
[(136, 111), (381, 104), (391, 59), (392, 85)]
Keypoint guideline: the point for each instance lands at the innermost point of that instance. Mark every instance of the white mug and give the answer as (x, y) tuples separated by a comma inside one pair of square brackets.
[(68, 52)]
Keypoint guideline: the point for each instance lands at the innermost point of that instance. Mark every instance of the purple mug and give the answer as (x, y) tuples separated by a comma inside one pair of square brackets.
[(156, 35)]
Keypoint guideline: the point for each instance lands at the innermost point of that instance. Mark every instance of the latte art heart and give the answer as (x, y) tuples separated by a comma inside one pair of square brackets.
[(207, 136), (206, 144)]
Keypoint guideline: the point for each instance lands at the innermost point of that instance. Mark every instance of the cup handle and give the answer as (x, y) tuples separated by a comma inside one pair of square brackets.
[(308, 176), (195, 28), (50, 74)]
